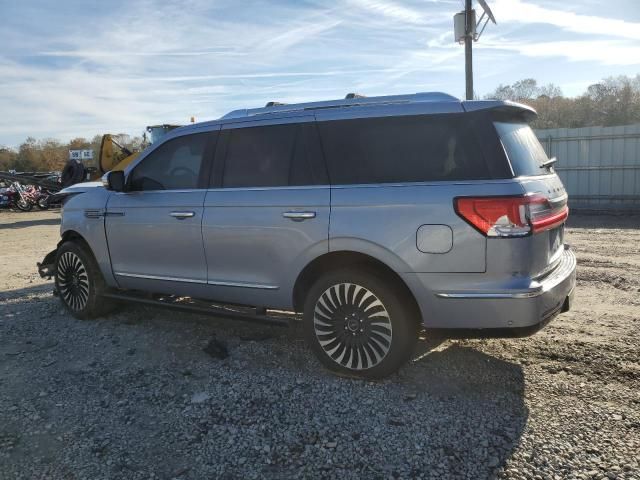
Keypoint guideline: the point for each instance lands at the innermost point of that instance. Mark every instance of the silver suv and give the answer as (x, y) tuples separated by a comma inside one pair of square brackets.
[(373, 217)]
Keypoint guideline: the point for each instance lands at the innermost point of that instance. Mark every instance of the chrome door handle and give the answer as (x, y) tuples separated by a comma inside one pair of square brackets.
[(299, 216), (182, 215)]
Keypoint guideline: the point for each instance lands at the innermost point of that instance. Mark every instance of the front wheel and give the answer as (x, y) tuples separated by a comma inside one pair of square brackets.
[(24, 205), (79, 282), (359, 324)]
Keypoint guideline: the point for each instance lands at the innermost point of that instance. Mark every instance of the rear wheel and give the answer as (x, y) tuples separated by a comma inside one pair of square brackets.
[(359, 324), (79, 282)]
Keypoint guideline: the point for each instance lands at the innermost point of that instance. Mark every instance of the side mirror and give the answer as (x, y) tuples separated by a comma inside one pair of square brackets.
[(114, 180)]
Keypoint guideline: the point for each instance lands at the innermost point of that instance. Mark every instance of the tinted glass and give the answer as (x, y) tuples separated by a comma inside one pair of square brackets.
[(523, 148), (173, 165), (401, 149), (267, 156)]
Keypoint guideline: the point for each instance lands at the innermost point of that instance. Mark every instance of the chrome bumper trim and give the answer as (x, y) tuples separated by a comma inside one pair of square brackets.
[(566, 265)]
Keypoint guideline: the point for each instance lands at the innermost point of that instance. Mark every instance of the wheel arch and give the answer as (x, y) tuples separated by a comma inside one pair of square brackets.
[(104, 267), (343, 259), (72, 235)]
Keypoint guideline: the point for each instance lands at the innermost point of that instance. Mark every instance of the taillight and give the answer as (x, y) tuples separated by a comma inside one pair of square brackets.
[(511, 216)]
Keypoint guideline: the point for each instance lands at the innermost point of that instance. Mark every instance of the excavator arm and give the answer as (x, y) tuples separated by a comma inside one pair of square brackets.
[(114, 156)]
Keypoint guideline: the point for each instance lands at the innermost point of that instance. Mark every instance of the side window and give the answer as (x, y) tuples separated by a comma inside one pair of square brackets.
[(401, 149), (267, 156), (174, 165)]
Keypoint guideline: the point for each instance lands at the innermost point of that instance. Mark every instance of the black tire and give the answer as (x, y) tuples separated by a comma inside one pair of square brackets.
[(79, 282), (359, 324), (24, 205)]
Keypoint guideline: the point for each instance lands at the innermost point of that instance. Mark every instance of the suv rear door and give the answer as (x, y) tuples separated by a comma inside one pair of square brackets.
[(266, 213)]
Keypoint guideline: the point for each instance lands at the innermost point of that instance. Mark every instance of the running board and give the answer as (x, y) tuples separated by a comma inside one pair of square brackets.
[(186, 304)]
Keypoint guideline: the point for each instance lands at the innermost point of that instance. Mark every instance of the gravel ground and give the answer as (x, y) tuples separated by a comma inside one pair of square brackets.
[(135, 396)]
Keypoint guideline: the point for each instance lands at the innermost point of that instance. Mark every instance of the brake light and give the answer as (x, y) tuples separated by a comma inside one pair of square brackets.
[(510, 216)]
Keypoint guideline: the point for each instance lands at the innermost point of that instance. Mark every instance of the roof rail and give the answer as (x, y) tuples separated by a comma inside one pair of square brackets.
[(351, 101)]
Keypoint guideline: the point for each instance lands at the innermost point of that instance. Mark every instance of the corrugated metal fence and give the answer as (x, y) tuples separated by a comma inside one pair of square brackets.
[(599, 166)]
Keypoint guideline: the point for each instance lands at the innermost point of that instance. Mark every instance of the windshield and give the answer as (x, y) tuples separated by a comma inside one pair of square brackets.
[(523, 148)]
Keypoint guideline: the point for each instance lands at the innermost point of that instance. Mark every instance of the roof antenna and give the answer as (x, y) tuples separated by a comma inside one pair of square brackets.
[(274, 104), (351, 96)]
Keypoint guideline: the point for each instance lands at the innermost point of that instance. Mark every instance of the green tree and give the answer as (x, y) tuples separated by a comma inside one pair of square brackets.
[(613, 101), (7, 158)]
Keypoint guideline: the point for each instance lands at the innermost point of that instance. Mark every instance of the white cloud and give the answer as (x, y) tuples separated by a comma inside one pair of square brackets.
[(390, 10), (605, 52), (148, 61), (524, 12)]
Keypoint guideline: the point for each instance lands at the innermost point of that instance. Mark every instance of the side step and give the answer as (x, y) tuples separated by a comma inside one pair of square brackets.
[(187, 304)]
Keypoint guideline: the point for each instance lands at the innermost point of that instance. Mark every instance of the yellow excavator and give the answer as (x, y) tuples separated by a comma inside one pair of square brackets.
[(115, 156)]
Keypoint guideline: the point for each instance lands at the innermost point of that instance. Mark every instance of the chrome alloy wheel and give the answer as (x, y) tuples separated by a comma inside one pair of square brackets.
[(352, 326), (73, 281)]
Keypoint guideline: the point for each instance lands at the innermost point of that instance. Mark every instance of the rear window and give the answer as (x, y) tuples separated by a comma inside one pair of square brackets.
[(523, 149), (401, 149)]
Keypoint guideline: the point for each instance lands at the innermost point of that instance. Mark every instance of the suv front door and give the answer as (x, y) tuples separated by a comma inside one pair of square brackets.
[(154, 228), (267, 210)]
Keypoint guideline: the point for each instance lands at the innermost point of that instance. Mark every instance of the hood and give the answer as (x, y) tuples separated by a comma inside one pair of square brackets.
[(66, 193)]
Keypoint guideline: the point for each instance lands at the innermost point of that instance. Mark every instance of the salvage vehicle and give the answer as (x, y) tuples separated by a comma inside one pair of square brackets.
[(374, 218)]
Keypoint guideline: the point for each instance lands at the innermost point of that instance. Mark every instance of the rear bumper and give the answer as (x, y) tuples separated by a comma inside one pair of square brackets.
[(519, 308)]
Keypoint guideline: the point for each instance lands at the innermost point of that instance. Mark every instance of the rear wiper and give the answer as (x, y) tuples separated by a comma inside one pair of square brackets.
[(549, 162)]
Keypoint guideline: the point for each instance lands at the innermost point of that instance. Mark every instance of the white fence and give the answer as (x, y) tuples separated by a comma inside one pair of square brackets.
[(599, 166)]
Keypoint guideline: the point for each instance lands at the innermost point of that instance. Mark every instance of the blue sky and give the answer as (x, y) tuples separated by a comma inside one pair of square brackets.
[(77, 68)]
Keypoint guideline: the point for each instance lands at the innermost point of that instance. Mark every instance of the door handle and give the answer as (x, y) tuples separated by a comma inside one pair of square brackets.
[(299, 216), (182, 215)]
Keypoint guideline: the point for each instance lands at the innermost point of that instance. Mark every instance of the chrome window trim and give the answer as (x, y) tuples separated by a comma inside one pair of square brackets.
[(432, 183), (439, 183), (284, 187)]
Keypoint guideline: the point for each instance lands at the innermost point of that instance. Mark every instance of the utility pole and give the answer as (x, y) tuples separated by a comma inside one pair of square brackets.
[(469, 30), (465, 30)]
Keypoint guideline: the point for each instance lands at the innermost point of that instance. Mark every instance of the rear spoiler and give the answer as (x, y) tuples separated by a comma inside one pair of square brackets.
[(506, 108)]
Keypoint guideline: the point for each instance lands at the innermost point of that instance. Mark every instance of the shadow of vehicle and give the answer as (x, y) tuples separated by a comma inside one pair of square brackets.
[(471, 409), (22, 294), (453, 412), (30, 223)]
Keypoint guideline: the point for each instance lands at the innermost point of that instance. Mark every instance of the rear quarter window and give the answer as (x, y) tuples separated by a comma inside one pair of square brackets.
[(523, 149), (401, 149)]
